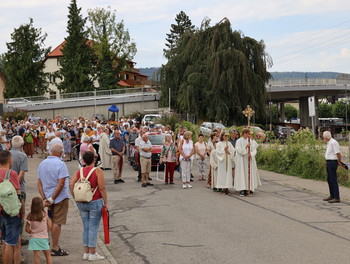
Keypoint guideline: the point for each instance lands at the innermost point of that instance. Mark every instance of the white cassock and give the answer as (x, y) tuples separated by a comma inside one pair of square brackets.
[(214, 168), (105, 152), (241, 170), (224, 178)]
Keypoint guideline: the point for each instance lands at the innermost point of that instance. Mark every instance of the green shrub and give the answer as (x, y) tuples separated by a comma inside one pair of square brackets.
[(302, 156), (18, 114), (171, 120), (191, 127)]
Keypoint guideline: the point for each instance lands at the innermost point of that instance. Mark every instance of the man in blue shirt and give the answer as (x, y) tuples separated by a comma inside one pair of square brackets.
[(53, 187), (118, 148)]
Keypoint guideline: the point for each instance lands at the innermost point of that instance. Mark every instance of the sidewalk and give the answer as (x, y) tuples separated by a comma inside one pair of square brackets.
[(71, 236), (318, 187)]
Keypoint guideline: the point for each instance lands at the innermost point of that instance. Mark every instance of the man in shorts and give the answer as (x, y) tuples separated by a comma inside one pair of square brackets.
[(53, 187), (10, 226), (145, 148)]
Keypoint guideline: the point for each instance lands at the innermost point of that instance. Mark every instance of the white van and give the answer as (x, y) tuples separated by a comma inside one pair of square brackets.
[(151, 118)]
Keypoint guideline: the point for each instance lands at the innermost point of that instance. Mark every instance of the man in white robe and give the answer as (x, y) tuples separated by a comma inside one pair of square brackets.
[(225, 161), (104, 150), (241, 170)]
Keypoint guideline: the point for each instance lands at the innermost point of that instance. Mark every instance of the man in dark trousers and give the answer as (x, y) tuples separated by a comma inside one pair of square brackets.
[(333, 159)]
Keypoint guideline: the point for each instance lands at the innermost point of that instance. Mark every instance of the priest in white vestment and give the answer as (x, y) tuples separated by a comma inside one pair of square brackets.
[(104, 150), (225, 161), (213, 168), (241, 169)]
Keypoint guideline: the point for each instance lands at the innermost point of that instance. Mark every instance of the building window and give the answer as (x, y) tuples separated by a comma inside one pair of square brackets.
[(53, 95), (52, 78), (126, 76), (135, 78)]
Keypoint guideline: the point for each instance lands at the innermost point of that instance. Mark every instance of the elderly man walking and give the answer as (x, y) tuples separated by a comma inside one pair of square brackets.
[(117, 147), (333, 159), (53, 186)]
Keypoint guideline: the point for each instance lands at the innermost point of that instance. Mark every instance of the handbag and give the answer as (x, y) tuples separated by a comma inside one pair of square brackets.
[(82, 188)]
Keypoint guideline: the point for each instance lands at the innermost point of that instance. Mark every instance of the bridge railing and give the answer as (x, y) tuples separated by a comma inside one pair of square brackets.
[(98, 94), (303, 82)]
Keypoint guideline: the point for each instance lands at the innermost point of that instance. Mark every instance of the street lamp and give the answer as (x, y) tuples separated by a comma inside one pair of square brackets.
[(346, 109)]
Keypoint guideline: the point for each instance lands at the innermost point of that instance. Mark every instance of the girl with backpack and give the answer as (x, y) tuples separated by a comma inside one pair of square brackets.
[(38, 225)]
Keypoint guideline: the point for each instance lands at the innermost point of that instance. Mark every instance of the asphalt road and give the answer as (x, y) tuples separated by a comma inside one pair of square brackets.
[(285, 221), (279, 224)]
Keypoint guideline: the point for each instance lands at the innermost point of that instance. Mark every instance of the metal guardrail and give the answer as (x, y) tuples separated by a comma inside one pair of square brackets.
[(82, 96), (304, 82)]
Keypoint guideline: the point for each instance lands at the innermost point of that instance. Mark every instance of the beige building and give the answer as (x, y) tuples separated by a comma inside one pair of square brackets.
[(131, 76)]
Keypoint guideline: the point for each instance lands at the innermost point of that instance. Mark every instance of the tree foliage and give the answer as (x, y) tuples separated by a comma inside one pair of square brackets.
[(339, 110), (183, 25), (23, 63), (112, 44), (290, 112), (325, 110), (79, 59), (216, 73)]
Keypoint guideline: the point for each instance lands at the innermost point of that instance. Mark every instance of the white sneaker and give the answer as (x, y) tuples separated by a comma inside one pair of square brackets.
[(95, 256), (86, 256), (184, 186), (189, 186)]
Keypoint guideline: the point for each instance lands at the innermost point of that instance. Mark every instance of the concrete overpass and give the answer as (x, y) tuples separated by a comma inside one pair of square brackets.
[(88, 104), (298, 90)]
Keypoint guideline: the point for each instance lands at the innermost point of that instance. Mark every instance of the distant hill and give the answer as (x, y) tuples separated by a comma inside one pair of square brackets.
[(150, 72), (301, 75)]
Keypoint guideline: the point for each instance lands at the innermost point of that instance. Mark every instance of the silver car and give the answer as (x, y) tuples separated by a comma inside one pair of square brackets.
[(207, 127)]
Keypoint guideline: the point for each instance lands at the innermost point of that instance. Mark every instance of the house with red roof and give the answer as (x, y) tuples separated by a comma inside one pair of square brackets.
[(131, 77)]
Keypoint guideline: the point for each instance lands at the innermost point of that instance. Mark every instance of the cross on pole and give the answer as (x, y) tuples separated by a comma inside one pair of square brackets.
[(248, 112)]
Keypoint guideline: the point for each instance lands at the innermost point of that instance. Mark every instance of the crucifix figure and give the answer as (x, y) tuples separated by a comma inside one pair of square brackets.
[(248, 112)]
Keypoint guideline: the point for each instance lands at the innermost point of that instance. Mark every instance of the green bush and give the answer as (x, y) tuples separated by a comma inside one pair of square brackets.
[(301, 156), (171, 120), (191, 127), (18, 114)]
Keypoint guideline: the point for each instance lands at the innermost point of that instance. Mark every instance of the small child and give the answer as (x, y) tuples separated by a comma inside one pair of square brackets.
[(38, 224)]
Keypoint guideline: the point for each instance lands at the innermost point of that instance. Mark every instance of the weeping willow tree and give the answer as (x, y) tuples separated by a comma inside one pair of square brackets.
[(216, 73)]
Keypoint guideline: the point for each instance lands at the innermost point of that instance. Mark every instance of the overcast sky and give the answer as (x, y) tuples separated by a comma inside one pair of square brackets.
[(300, 35)]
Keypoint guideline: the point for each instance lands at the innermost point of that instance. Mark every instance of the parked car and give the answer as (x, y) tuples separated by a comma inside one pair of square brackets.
[(18, 101), (281, 132), (259, 133), (207, 127), (157, 140), (150, 118)]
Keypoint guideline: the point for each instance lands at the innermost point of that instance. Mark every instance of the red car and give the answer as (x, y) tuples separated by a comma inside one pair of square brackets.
[(157, 140)]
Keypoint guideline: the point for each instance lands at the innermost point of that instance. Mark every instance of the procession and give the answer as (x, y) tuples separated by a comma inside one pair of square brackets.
[(174, 132), (225, 161)]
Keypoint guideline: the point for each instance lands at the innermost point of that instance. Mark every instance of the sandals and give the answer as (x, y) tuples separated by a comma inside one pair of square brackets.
[(58, 253)]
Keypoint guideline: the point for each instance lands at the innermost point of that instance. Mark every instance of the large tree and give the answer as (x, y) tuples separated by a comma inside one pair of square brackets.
[(78, 63), (112, 44), (216, 73), (23, 63), (183, 25)]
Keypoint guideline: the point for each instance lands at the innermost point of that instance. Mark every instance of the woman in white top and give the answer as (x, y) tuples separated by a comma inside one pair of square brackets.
[(186, 149), (201, 152)]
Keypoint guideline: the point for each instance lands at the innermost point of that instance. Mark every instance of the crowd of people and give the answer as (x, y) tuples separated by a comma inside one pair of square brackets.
[(222, 162)]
